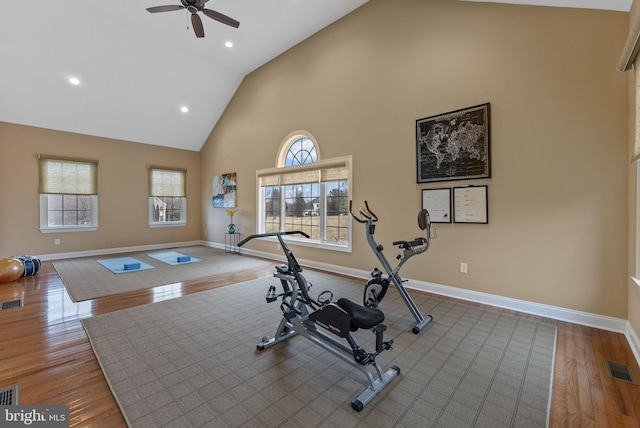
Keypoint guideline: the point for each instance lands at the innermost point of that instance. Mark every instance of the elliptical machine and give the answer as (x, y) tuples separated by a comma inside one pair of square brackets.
[(301, 314), (376, 287)]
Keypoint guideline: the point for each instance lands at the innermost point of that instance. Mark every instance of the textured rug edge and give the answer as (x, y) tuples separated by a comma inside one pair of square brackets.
[(102, 368), (553, 370)]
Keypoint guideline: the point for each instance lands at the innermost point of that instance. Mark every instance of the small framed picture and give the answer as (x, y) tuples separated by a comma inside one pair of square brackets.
[(470, 204), (438, 203)]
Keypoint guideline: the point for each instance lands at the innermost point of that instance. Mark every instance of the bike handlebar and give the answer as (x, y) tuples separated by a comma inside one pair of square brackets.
[(264, 235), (364, 212)]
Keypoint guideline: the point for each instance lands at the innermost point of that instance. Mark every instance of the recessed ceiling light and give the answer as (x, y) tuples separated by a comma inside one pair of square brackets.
[(184, 109), (228, 44), (74, 80)]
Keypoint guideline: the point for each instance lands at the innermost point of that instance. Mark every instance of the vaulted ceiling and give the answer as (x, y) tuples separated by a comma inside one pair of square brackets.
[(137, 70)]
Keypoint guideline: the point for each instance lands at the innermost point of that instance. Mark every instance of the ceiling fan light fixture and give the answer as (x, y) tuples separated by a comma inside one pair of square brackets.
[(194, 7)]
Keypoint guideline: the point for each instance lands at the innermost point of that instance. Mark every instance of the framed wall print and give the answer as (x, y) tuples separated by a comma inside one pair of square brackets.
[(470, 204), (454, 145), (438, 203), (224, 190)]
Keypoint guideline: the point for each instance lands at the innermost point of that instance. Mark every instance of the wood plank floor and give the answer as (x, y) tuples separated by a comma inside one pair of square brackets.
[(45, 351)]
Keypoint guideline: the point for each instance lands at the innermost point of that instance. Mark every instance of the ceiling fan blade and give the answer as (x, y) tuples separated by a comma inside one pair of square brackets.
[(196, 23), (164, 8), (221, 18)]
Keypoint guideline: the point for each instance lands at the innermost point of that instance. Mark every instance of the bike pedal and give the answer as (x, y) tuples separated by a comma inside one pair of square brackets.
[(271, 295)]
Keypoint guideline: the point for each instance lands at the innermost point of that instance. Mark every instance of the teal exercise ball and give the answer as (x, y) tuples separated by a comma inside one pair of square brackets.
[(10, 269)]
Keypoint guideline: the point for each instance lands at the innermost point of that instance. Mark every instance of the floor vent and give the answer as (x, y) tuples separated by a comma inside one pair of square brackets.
[(620, 371), (9, 397), (12, 304)]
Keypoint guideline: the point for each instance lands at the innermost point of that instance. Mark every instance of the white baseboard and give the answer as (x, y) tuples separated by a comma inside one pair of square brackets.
[(104, 251), (634, 341)]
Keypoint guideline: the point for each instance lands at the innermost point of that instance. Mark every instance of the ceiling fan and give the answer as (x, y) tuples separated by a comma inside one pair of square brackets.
[(195, 6)]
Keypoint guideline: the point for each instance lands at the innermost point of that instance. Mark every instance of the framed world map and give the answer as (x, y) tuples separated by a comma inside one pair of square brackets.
[(454, 145)]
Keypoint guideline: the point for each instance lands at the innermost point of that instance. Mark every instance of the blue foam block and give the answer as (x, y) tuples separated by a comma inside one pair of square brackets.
[(182, 259), (131, 266)]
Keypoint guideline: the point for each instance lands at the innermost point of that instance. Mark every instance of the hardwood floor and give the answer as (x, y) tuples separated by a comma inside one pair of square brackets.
[(45, 351)]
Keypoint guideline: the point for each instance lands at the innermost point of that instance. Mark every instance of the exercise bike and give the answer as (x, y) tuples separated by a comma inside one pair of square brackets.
[(377, 286), (302, 314)]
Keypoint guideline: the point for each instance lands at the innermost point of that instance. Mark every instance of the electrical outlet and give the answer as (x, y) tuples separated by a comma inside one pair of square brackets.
[(205, 232), (56, 242), (463, 267)]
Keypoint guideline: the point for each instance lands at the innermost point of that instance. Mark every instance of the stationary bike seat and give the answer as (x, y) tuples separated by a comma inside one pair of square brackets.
[(361, 316)]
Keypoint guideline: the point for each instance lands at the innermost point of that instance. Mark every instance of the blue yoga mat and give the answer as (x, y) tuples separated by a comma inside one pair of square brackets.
[(173, 258), (124, 265)]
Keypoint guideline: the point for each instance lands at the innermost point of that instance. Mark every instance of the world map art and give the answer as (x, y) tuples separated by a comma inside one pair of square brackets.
[(454, 145)]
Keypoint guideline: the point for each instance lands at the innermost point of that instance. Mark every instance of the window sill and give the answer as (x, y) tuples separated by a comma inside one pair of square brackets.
[(177, 224), (68, 229)]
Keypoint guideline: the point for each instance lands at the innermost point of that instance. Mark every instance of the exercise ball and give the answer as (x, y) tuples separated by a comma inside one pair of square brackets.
[(10, 269)]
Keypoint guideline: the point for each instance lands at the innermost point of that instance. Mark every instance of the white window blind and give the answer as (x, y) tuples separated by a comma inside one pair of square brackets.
[(68, 176), (322, 171), (166, 182)]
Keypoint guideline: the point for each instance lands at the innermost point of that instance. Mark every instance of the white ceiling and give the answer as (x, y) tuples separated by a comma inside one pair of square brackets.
[(137, 69)]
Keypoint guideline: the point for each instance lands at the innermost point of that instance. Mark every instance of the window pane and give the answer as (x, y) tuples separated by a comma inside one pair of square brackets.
[(54, 202), (54, 218), (84, 202), (64, 210), (271, 209), (69, 202), (301, 152), (337, 211), (69, 218), (303, 209), (168, 209)]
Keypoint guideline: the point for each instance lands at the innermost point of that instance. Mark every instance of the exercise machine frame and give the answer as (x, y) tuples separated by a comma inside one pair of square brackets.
[(376, 286), (301, 314)]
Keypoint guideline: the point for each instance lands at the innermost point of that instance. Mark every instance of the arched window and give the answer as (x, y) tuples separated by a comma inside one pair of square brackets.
[(306, 193), (301, 151)]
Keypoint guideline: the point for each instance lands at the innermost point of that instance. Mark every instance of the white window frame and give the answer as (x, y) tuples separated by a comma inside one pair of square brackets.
[(181, 222), (44, 218), (168, 189), (56, 185), (318, 165)]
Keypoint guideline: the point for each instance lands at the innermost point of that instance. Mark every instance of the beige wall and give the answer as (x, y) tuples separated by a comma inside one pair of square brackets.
[(558, 196), (122, 186)]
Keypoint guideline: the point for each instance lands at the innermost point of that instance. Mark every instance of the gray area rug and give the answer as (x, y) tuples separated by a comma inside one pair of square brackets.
[(87, 279), (192, 362)]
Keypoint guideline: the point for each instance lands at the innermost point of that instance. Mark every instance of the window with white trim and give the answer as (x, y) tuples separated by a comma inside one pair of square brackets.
[(305, 193), (167, 196), (68, 191)]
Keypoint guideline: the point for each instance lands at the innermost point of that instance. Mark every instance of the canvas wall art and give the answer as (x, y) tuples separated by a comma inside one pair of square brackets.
[(224, 190)]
